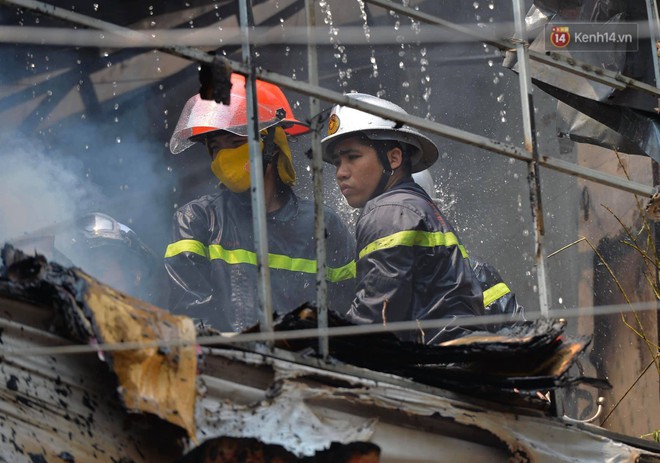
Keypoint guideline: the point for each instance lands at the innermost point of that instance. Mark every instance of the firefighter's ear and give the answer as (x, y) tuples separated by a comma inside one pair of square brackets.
[(395, 156)]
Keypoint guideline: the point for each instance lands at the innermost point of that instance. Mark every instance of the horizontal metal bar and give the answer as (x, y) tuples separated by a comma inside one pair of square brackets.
[(453, 133), (338, 98), (84, 20), (310, 333), (619, 183), (555, 59)]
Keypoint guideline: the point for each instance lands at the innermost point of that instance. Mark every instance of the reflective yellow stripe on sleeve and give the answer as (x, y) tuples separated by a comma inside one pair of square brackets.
[(345, 272), (494, 293), (275, 261), (180, 246), (414, 238)]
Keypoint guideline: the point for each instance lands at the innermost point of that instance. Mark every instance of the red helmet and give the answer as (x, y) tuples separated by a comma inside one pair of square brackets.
[(204, 116)]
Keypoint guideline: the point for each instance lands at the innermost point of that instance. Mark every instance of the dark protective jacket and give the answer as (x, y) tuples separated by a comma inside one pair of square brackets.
[(212, 267), (498, 297), (411, 265)]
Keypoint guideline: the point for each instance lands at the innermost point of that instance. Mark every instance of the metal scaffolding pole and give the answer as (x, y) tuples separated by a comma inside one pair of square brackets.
[(527, 102), (256, 175), (317, 178), (531, 155), (568, 64), (554, 59), (654, 33), (442, 130)]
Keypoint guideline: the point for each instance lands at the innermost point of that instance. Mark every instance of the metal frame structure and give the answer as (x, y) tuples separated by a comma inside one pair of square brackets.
[(530, 154)]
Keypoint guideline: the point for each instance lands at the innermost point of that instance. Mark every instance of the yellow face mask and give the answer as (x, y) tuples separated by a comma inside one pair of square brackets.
[(232, 165)]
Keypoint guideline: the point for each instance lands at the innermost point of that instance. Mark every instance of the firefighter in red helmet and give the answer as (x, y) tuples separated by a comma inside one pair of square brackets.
[(211, 259)]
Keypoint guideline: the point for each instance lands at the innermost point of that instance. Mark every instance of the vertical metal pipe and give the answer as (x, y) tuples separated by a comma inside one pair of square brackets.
[(317, 178), (654, 35), (656, 243), (531, 146), (256, 174)]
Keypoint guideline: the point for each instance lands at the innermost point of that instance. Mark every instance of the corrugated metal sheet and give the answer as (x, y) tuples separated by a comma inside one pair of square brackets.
[(408, 421)]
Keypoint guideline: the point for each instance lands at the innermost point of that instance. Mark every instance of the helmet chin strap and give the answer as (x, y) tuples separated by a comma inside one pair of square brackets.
[(269, 152), (385, 175), (269, 147)]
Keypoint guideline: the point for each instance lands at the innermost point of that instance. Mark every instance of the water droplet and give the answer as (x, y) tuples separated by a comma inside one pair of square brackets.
[(475, 5), (118, 139), (96, 6)]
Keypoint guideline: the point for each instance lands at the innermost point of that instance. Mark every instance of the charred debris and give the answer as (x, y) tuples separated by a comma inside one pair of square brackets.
[(63, 364)]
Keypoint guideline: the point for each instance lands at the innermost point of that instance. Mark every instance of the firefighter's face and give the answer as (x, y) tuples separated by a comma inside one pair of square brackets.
[(221, 141), (358, 170)]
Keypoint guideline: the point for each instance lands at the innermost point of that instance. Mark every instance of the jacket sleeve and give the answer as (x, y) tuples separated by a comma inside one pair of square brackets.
[(340, 263), (384, 285), (187, 263), (403, 275)]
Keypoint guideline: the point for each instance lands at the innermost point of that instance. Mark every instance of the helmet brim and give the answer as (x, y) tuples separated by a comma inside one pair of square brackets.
[(425, 152)]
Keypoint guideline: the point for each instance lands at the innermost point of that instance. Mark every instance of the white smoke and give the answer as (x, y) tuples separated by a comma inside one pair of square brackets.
[(40, 193)]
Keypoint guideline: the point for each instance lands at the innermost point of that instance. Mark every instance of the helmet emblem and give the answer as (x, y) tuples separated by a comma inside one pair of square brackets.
[(333, 124)]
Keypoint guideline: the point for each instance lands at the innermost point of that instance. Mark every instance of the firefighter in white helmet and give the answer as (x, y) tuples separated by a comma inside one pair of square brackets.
[(411, 264), (211, 259)]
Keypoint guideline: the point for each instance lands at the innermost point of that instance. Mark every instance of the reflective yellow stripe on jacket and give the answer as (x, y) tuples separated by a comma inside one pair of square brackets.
[(275, 261), (494, 293), (414, 238)]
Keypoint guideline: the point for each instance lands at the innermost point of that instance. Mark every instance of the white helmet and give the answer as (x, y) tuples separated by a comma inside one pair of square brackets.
[(348, 121), (424, 179)]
